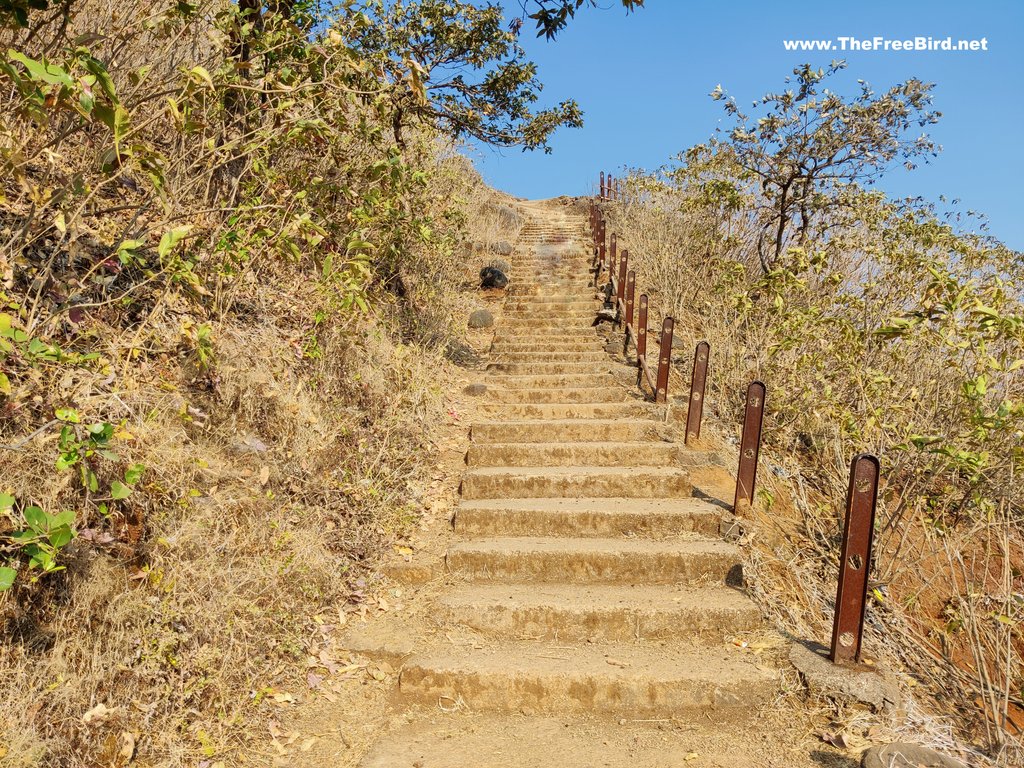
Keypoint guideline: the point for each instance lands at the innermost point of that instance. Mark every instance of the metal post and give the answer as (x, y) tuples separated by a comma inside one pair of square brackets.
[(641, 328), (750, 444), (855, 558), (664, 360), (602, 185), (613, 258), (695, 410), (630, 288), (623, 267)]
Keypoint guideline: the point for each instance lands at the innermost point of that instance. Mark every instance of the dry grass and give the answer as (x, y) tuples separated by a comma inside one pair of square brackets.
[(944, 570), (287, 437)]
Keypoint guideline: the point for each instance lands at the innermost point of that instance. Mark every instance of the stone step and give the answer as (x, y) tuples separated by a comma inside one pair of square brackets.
[(549, 356), (496, 740), (596, 561), (508, 382), (525, 338), (612, 410), (565, 430), (519, 368), (518, 312), (543, 327), (560, 306), (607, 394), (575, 482), (593, 344), (587, 518), (600, 612), (595, 454), (629, 680)]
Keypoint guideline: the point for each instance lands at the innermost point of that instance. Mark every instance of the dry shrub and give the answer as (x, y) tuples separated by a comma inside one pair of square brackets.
[(898, 336), (278, 369)]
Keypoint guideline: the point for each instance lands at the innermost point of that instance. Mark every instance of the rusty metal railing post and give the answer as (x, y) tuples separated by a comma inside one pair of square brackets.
[(855, 558), (602, 185), (630, 289), (750, 444), (641, 328), (641, 338), (613, 256), (695, 409), (664, 360), (623, 268)]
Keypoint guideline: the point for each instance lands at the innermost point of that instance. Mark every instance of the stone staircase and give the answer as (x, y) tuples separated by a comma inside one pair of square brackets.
[(592, 581)]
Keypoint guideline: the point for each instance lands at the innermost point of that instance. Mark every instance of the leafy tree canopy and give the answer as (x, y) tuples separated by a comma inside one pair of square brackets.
[(455, 65), (811, 143), (552, 16)]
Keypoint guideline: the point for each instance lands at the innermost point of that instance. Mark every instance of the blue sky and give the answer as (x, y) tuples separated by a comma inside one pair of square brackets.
[(643, 81)]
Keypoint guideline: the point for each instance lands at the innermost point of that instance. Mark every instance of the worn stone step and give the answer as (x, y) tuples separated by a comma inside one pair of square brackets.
[(542, 327), (607, 394), (610, 454), (518, 368), (606, 410), (594, 560), (575, 482), (580, 286), (600, 612), (520, 312), (561, 306), (587, 518), (585, 336), (550, 347), (497, 740), (549, 356), (640, 681), (565, 430), (509, 382)]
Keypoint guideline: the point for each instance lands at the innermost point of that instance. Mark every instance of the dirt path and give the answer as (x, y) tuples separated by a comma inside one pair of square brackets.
[(588, 612)]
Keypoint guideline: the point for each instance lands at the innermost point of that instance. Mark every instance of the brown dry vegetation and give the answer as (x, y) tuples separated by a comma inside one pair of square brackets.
[(896, 336), (278, 370)]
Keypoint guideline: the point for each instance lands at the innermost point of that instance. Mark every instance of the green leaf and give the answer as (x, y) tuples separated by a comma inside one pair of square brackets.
[(37, 519), (119, 490), (133, 473), (5, 384), (7, 576), (68, 415), (170, 239), (96, 67), (202, 75), (67, 517), (6, 503), (40, 70)]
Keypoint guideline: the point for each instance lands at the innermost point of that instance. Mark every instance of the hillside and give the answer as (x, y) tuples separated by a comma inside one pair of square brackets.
[(321, 451)]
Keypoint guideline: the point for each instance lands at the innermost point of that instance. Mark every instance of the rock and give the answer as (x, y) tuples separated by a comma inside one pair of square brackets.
[(475, 390), (501, 265), (857, 685), (492, 278), (482, 318), (249, 444), (502, 248), (509, 217), (461, 353), (907, 756)]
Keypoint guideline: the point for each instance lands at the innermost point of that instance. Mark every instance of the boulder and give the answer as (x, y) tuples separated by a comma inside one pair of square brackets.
[(492, 278), (502, 248), (482, 318), (907, 756)]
